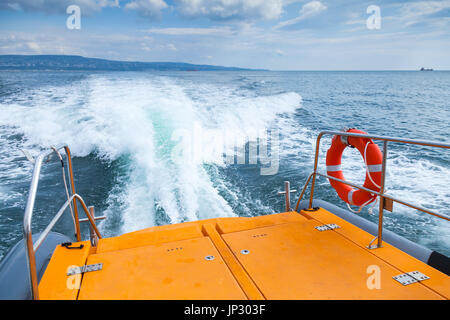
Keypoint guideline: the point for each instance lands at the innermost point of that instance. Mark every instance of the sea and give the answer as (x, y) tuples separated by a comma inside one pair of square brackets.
[(164, 147)]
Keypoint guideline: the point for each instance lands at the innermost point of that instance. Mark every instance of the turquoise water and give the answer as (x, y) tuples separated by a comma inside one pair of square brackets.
[(124, 129)]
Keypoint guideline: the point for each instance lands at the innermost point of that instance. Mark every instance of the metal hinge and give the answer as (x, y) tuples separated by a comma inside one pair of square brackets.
[(84, 269), (326, 227), (410, 277)]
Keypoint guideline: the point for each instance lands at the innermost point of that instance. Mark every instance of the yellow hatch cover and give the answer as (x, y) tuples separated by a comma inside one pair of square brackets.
[(280, 256), (292, 261), (187, 269)]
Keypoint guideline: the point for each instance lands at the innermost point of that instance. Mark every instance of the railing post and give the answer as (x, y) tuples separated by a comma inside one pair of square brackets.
[(27, 232), (383, 178), (31, 262), (92, 235), (72, 186), (287, 190), (287, 193), (316, 160)]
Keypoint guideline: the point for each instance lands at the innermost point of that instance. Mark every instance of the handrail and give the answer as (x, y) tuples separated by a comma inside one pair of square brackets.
[(27, 233), (381, 193), (55, 219), (439, 215)]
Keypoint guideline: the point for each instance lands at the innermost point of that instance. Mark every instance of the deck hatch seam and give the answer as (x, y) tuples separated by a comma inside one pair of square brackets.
[(82, 277), (244, 280)]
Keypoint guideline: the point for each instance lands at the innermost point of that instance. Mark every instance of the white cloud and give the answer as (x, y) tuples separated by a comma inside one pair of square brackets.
[(308, 10), (191, 31), (311, 9), (412, 13), (147, 8), (232, 9), (236, 10), (34, 46), (66, 42), (172, 47), (57, 6)]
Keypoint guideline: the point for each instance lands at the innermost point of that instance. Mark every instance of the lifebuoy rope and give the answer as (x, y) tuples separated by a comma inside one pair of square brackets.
[(65, 185), (375, 184), (363, 205), (367, 166)]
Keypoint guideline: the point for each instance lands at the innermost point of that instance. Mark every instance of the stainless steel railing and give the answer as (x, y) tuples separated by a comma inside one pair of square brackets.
[(386, 201), (31, 247)]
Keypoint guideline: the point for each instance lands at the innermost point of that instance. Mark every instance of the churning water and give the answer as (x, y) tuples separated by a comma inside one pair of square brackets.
[(124, 129)]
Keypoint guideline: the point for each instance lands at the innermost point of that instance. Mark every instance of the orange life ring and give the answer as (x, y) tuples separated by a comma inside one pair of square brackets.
[(373, 161)]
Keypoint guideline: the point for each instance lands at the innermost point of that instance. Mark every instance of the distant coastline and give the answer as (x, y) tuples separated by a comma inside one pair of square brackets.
[(79, 63)]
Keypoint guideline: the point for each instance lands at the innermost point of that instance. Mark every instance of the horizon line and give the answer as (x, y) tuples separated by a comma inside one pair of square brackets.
[(259, 69)]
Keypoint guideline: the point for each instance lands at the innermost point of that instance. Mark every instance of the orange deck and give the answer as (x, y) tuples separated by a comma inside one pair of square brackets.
[(285, 258)]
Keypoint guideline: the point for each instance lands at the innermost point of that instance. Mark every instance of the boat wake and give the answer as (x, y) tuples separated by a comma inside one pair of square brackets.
[(149, 150), (135, 120)]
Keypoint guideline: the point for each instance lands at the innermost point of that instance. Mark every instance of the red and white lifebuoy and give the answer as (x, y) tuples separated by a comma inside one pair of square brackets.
[(373, 159)]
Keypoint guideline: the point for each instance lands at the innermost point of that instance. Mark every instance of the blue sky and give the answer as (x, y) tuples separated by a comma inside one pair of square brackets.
[(271, 34)]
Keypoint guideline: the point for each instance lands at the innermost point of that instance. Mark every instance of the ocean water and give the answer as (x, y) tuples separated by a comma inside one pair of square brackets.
[(132, 136)]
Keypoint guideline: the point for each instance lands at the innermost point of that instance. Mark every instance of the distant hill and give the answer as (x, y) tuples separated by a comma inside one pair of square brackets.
[(65, 62)]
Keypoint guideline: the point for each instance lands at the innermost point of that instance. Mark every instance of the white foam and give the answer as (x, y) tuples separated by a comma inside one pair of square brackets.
[(135, 117)]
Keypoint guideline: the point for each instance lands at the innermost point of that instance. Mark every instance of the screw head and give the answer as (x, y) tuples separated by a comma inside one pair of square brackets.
[(245, 251), (209, 258)]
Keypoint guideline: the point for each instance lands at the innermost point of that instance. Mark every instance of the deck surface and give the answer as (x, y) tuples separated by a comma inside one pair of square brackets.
[(281, 256)]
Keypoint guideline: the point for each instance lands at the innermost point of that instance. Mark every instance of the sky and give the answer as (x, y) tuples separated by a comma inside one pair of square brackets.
[(267, 34)]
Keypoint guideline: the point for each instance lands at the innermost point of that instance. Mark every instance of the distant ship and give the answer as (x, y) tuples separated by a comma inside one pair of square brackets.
[(423, 69)]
